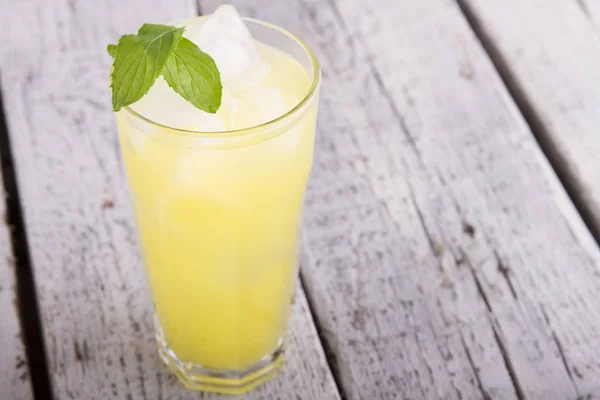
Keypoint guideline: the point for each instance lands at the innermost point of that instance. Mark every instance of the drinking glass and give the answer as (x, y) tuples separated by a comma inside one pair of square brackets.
[(218, 216)]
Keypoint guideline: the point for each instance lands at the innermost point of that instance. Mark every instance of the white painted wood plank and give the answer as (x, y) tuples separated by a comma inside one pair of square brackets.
[(550, 51), (14, 371), (95, 306), (443, 255)]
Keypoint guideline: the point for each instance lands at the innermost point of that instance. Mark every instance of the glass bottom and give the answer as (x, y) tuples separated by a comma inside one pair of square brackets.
[(198, 378)]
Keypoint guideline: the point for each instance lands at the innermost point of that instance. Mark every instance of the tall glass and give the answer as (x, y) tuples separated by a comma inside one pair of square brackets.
[(218, 215)]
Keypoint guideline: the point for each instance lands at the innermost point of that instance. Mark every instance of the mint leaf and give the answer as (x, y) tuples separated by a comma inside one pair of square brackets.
[(139, 60), (194, 75), (112, 50)]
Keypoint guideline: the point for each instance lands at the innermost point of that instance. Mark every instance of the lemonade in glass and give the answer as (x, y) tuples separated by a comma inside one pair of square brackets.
[(218, 201)]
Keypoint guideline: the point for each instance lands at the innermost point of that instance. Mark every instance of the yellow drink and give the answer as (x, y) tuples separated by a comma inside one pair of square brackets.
[(218, 217)]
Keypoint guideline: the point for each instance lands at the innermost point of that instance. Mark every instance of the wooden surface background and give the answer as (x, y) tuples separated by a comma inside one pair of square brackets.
[(442, 256), (550, 65)]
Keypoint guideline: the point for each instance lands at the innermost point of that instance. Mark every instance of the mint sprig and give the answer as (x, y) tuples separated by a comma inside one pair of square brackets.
[(160, 49)]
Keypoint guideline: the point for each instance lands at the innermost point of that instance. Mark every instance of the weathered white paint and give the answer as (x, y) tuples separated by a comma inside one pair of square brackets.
[(442, 253), (96, 310), (14, 371), (549, 52)]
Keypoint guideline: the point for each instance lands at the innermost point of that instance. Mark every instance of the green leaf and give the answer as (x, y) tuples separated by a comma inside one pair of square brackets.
[(139, 60), (194, 75), (112, 50)]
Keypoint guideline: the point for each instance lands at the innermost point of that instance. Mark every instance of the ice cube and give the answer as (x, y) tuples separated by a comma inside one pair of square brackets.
[(225, 37), (164, 106)]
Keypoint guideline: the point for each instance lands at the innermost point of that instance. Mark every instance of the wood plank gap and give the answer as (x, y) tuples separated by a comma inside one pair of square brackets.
[(198, 8), (330, 356), (29, 316), (531, 118), (585, 9)]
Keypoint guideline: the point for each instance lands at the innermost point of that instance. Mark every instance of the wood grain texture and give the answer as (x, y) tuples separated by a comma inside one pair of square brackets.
[(445, 259), (547, 52), (14, 372), (96, 310)]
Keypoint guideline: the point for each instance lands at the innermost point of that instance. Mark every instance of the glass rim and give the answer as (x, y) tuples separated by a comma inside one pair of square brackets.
[(298, 108)]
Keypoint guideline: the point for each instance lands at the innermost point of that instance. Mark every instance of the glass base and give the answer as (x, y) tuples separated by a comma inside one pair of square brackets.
[(233, 382)]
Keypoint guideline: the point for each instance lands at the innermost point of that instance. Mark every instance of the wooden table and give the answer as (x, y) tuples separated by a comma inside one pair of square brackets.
[(450, 249)]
